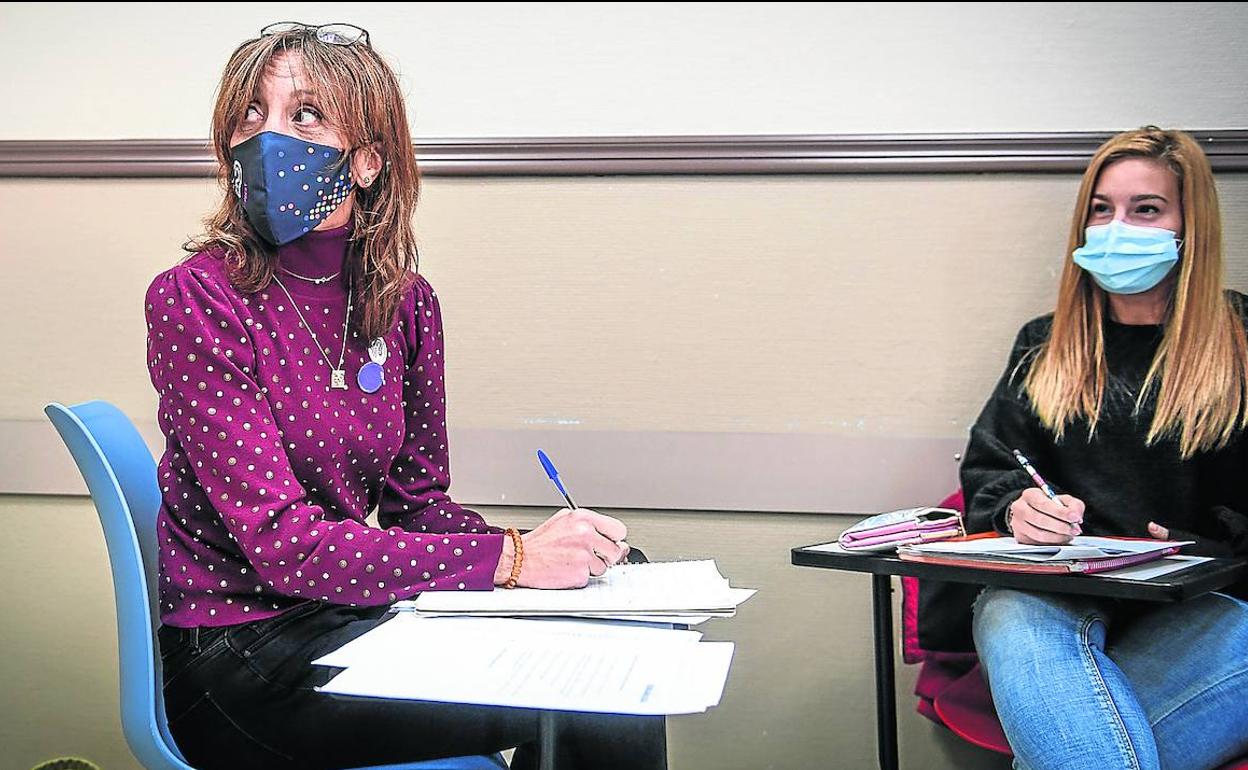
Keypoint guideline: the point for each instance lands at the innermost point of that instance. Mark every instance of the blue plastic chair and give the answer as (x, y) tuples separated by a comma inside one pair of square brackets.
[(121, 476)]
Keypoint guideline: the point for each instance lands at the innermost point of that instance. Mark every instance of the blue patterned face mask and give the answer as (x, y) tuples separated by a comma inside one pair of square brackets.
[(287, 186), (1127, 259)]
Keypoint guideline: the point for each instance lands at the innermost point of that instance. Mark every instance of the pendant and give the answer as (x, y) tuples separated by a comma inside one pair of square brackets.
[(371, 377), (338, 379), (377, 351)]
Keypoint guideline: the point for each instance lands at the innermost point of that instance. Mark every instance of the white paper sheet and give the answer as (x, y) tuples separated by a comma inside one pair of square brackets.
[(609, 675), (668, 619), (694, 587), (398, 637), (1078, 549)]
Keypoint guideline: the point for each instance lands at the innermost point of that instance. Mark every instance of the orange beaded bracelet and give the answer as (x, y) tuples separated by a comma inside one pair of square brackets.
[(517, 560)]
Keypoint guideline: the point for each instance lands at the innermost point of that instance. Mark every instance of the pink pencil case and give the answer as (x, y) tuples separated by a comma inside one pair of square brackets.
[(886, 531)]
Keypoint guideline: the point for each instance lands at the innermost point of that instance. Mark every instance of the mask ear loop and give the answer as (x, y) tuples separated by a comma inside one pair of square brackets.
[(1178, 249)]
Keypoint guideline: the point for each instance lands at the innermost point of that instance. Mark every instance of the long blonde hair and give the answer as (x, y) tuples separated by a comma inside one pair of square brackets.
[(363, 98), (1199, 375)]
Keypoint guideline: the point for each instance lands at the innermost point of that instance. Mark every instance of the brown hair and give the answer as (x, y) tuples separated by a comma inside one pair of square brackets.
[(1199, 374), (362, 98)]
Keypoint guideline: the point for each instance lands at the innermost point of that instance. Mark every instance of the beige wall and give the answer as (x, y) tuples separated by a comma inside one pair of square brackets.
[(878, 306), (129, 70)]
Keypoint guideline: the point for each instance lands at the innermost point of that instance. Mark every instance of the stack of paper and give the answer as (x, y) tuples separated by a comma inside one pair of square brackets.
[(1082, 554), (622, 668), (686, 592), (518, 651)]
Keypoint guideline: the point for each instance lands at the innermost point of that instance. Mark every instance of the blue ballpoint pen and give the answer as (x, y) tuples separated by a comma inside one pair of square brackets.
[(554, 476)]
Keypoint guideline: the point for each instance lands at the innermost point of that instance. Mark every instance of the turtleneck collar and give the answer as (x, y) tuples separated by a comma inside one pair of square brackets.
[(317, 254)]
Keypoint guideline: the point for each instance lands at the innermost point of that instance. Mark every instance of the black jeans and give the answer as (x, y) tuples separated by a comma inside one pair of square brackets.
[(242, 697)]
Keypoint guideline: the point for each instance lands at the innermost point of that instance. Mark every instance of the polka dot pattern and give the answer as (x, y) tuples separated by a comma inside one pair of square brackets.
[(269, 474)]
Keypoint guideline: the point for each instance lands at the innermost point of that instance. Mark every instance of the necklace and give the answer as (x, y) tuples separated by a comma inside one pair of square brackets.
[(337, 375), (316, 281)]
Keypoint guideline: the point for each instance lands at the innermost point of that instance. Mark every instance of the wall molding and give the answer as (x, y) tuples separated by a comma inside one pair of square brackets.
[(637, 156), (755, 472)]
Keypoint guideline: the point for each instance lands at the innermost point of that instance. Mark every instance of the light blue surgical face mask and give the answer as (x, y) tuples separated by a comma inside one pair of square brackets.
[(1127, 259)]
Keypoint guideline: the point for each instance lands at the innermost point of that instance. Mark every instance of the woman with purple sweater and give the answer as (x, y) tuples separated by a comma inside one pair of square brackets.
[(299, 363)]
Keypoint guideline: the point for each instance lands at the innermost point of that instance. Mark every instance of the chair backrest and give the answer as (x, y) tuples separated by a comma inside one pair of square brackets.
[(121, 476)]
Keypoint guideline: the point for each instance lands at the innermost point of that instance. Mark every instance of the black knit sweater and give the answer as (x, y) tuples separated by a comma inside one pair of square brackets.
[(1124, 482)]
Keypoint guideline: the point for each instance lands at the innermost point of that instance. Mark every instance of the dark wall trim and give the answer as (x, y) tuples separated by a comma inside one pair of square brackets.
[(671, 155)]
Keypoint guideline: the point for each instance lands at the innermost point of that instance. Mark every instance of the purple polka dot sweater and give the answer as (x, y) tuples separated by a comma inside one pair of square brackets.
[(269, 472)]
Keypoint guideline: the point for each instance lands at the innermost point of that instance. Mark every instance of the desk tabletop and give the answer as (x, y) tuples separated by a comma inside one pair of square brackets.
[(1176, 586)]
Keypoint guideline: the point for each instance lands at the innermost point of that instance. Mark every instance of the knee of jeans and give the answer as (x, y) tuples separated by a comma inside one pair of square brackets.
[(1002, 614), (1021, 620), (1004, 607)]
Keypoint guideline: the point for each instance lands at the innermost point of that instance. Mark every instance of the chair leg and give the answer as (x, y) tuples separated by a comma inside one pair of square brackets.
[(548, 739)]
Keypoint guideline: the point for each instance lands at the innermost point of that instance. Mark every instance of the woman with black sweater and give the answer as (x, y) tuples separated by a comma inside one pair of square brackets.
[(1131, 398)]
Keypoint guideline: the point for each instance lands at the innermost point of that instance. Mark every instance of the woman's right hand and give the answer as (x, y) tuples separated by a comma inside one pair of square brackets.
[(1037, 520), (566, 549)]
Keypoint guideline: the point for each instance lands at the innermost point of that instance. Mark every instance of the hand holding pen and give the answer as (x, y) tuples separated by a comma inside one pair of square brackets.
[(612, 528), (1040, 516), (568, 548)]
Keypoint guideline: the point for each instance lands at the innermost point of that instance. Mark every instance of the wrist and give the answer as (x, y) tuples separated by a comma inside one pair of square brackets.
[(1008, 519), (505, 561), (510, 561)]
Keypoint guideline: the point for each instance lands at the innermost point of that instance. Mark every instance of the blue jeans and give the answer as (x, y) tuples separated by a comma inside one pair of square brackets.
[(1081, 682)]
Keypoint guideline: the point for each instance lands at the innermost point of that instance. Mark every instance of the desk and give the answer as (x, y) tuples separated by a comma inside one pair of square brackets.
[(1205, 577)]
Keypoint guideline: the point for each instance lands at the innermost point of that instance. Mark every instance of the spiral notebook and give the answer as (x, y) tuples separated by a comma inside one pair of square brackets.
[(1088, 555)]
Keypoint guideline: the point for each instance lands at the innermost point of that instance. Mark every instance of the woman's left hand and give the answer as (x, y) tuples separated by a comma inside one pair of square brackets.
[(1158, 531)]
